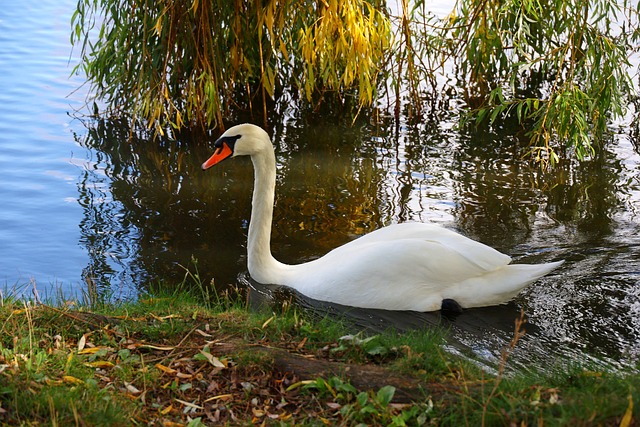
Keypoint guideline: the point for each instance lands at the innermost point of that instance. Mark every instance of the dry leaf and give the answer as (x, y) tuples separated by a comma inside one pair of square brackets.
[(156, 347), (220, 397), (188, 404), (92, 350), (213, 360), (71, 380), (131, 388), (100, 364), (165, 369), (269, 320), (82, 342), (204, 334)]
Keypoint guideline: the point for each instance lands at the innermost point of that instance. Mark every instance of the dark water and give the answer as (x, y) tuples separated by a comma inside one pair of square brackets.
[(83, 199)]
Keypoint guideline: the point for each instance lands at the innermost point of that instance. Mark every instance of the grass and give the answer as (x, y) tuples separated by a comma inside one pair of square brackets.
[(170, 360)]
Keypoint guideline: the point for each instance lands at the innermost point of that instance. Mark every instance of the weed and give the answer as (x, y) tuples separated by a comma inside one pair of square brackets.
[(369, 408)]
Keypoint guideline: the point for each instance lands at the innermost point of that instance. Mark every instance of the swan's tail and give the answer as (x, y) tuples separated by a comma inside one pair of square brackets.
[(501, 285)]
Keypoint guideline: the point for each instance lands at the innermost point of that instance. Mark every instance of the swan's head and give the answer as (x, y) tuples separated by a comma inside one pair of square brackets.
[(240, 140)]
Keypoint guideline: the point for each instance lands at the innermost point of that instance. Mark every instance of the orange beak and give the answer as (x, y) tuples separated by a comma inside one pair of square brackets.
[(219, 155)]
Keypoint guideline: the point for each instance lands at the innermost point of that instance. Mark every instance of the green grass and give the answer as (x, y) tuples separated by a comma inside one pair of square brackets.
[(170, 358)]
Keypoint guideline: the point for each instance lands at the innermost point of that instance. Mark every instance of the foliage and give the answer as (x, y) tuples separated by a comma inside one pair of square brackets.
[(561, 69)]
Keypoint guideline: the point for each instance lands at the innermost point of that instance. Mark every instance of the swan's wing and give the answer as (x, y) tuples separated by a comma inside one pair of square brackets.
[(420, 260), (484, 257), (395, 274)]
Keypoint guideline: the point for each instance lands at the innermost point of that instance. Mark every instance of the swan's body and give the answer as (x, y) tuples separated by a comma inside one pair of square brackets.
[(410, 266)]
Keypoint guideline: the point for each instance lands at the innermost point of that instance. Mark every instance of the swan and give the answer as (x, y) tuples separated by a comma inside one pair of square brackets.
[(407, 266)]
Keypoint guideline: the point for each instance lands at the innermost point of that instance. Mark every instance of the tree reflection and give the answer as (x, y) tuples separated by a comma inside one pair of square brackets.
[(150, 210)]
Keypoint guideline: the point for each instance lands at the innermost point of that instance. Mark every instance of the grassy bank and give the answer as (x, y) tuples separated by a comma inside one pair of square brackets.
[(168, 360)]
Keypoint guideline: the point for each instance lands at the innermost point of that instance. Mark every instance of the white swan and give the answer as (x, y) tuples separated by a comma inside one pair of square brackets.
[(409, 266)]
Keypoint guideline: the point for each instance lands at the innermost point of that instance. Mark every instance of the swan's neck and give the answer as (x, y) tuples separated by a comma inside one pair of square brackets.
[(262, 266)]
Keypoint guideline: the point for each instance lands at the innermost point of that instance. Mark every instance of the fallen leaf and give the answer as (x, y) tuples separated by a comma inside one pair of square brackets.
[(100, 364), (163, 318), (204, 334), (131, 388), (190, 405), (219, 397), (301, 343), (82, 342), (71, 380), (156, 347), (93, 350), (165, 369), (213, 360)]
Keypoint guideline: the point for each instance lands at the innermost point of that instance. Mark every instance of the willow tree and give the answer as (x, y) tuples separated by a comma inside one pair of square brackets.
[(559, 68), (184, 62)]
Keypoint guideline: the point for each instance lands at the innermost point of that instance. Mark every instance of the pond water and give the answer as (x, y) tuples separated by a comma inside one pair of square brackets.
[(82, 204)]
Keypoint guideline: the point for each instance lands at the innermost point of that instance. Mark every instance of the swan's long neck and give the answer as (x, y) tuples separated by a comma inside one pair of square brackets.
[(262, 266)]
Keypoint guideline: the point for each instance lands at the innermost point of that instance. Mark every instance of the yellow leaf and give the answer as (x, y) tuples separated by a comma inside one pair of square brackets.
[(283, 50), (100, 364), (93, 350), (165, 369), (158, 26), (69, 359), (627, 419), (71, 380), (269, 320), (166, 410), (156, 347)]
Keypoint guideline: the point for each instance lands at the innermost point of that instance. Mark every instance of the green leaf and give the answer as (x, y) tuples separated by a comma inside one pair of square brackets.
[(385, 395)]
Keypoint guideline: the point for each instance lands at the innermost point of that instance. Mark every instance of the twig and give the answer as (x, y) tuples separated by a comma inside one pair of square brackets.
[(517, 334)]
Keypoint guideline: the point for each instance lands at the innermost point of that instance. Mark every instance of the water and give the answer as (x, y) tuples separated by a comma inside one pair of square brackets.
[(39, 160), (81, 203)]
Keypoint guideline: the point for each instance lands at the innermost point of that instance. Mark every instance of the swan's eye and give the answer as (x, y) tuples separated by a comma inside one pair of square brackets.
[(229, 140)]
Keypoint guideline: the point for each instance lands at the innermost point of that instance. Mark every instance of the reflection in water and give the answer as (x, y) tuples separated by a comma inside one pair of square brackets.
[(149, 210)]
